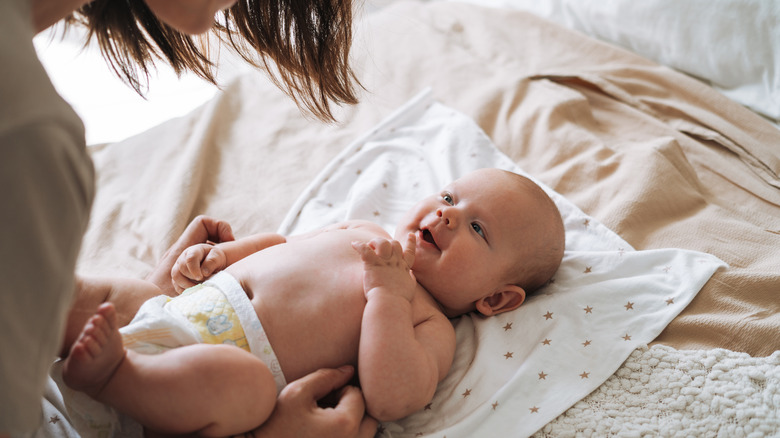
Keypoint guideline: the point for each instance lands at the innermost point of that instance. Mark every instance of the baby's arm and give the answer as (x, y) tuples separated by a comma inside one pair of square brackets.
[(198, 262), (400, 364)]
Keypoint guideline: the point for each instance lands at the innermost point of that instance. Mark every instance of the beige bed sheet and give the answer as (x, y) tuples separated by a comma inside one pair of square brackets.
[(658, 157)]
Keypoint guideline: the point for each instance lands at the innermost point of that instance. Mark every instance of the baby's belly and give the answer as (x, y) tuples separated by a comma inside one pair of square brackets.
[(305, 341), (311, 314)]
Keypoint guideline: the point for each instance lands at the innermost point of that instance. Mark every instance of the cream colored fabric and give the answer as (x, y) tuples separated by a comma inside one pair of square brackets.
[(654, 155)]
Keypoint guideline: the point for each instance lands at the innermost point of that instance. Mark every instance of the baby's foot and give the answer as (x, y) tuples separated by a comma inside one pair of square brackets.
[(96, 354)]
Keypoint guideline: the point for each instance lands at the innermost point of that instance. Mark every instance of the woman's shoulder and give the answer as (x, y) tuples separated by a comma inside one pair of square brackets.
[(28, 95)]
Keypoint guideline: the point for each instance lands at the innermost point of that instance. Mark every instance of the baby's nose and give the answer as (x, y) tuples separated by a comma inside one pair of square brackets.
[(448, 216)]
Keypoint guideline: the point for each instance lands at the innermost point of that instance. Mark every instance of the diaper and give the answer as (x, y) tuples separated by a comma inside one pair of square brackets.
[(217, 311)]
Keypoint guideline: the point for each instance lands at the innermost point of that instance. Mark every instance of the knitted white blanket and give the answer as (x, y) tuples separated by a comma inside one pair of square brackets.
[(661, 391)]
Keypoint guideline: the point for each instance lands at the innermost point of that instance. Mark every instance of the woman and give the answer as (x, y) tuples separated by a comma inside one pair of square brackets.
[(48, 176)]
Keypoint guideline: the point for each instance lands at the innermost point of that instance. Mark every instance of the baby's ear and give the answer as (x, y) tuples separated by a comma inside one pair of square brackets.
[(509, 297)]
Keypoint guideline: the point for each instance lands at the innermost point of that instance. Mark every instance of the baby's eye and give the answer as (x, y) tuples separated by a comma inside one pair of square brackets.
[(478, 228), (447, 198)]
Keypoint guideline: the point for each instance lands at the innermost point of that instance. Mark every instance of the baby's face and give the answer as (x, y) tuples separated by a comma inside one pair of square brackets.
[(468, 236)]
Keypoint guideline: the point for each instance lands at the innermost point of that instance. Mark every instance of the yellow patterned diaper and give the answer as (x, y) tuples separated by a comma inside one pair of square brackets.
[(215, 312), (212, 315)]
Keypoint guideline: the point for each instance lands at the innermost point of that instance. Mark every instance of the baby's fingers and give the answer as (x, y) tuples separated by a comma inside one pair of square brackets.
[(179, 280), (372, 252), (383, 247), (409, 249), (366, 252), (213, 262), (192, 259)]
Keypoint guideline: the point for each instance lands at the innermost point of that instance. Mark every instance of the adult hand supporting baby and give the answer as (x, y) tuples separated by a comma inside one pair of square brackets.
[(202, 229), (297, 413)]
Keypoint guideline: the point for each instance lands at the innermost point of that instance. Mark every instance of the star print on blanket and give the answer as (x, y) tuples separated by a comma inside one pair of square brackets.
[(517, 371)]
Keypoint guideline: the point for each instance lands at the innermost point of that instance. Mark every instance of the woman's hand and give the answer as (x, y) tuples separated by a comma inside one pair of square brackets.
[(202, 229), (297, 413)]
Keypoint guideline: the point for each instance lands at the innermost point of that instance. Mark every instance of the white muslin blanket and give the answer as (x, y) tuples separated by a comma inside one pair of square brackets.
[(515, 372)]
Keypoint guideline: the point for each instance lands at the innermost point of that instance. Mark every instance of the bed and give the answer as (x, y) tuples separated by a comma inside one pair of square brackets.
[(666, 306)]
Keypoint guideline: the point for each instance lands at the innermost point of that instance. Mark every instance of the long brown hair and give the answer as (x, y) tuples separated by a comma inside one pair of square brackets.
[(308, 41)]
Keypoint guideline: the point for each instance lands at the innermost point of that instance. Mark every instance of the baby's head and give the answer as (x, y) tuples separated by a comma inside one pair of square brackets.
[(484, 242)]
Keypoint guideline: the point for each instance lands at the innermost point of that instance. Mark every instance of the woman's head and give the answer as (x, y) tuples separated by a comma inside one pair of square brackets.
[(191, 17), (307, 41)]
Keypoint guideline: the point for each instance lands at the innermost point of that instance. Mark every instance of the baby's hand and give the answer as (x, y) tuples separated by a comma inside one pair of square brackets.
[(197, 263), (388, 266)]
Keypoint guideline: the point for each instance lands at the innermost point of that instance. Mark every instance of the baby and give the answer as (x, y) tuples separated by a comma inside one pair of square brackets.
[(344, 294)]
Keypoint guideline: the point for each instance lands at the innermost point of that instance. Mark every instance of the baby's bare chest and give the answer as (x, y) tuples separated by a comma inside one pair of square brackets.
[(309, 297), (321, 271)]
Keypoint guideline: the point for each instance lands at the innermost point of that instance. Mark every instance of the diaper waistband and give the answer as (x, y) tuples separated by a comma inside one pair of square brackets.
[(253, 329)]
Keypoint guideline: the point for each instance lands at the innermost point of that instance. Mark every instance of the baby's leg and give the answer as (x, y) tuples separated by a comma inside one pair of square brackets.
[(217, 390), (126, 294)]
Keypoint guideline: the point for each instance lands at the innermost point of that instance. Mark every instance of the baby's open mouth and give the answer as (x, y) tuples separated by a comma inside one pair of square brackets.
[(428, 237)]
